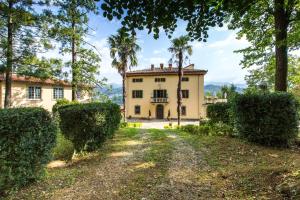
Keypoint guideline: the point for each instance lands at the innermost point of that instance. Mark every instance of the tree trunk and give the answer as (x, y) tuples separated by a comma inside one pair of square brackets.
[(281, 49), (74, 67), (9, 57), (124, 93), (179, 93)]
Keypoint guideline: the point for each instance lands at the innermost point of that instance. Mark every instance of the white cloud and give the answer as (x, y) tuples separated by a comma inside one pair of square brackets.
[(197, 45), (160, 51), (229, 41)]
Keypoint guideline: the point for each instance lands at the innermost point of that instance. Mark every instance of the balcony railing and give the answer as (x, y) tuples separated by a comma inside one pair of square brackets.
[(159, 100)]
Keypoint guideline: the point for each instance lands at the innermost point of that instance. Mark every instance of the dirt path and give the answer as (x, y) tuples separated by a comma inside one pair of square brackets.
[(182, 179), (145, 164), (103, 180)]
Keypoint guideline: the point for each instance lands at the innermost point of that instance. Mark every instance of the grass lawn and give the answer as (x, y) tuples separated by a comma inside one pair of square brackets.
[(244, 170), (169, 164)]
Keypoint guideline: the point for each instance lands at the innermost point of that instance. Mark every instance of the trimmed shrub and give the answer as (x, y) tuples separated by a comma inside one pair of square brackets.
[(27, 138), (59, 103), (268, 119), (219, 112), (88, 125)]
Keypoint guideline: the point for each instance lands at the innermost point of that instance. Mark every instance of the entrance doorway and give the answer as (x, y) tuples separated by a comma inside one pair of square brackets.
[(159, 112)]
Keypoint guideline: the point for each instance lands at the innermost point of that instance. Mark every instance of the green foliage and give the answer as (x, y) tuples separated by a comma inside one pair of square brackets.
[(123, 50), (219, 112), (27, 138), (42, 68), (268, 119), (61, 102), (268, 26), (196, 130), (180, 49), (64, 148), (255, 20), (221, 129), (89, 125), (265, 74), (70, 27), (152, 15)]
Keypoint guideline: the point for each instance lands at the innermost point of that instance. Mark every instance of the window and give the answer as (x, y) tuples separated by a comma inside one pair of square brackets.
[(137, 80), (160, 94), (160, 79), (183, 110), (137, 93), (185, 94), (58, 93), (185, 79), (34, 92), (137, 110)]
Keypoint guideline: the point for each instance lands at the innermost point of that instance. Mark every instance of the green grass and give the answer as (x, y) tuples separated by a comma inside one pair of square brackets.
[(245, 170), (64, 148)]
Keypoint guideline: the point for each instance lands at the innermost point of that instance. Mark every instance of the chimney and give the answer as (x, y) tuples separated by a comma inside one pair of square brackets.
[(152, 66), (161, 65), (170, 66)]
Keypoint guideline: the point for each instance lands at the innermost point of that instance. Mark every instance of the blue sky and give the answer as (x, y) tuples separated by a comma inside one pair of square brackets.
[(216, 55)]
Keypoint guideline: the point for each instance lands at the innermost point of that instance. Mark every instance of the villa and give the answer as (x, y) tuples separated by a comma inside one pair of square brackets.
[(28, 91), (152, 93)]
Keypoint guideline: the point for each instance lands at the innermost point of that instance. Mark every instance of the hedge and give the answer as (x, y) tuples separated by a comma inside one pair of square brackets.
[(88, 125), (27, 138), (268, 119), (219, 112)]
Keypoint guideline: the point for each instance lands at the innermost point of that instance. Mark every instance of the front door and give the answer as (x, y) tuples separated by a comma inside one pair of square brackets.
[(159, 111)]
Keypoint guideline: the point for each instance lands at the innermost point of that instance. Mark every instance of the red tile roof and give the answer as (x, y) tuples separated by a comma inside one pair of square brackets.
[(31, 79), (188, 70)]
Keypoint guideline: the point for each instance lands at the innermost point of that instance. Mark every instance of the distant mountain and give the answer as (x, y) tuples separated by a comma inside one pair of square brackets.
[(214, 89), (114, 91)]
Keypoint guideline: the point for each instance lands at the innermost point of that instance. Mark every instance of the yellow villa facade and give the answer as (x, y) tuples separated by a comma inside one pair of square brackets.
[(29, 91), (152, 93)]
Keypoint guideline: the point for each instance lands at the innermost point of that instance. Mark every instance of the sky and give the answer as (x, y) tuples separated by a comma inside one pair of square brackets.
[(216, 55)]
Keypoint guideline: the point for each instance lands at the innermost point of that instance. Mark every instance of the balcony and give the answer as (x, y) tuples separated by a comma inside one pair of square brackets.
[(159, 100)]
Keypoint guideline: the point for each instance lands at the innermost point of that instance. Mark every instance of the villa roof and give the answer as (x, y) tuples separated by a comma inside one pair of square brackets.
[(188, 70), (31, 79)]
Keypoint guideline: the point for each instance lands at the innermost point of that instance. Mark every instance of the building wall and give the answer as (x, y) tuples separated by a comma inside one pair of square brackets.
[(20, 95), (194, 104)]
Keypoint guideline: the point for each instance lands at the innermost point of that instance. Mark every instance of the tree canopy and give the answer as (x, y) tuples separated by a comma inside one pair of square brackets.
[(153, 15)]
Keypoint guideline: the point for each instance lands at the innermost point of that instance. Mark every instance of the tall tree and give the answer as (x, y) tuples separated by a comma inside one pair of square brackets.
[(123, 50), (265, 74), (70, 28), (269, 26), (180, 49), (21, 38)]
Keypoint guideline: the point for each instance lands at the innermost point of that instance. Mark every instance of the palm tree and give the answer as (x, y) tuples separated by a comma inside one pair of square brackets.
[(123, 50), (180, 49)]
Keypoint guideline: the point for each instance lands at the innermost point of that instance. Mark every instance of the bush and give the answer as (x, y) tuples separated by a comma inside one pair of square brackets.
[(219, 112), (220, 129), (268, 119), (88, 125), (59, 103), (64, 148), (196, 130), (27, 138)]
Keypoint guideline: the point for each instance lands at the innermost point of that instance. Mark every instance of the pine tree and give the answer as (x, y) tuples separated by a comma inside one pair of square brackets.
[(21, 37), (70, 28)]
